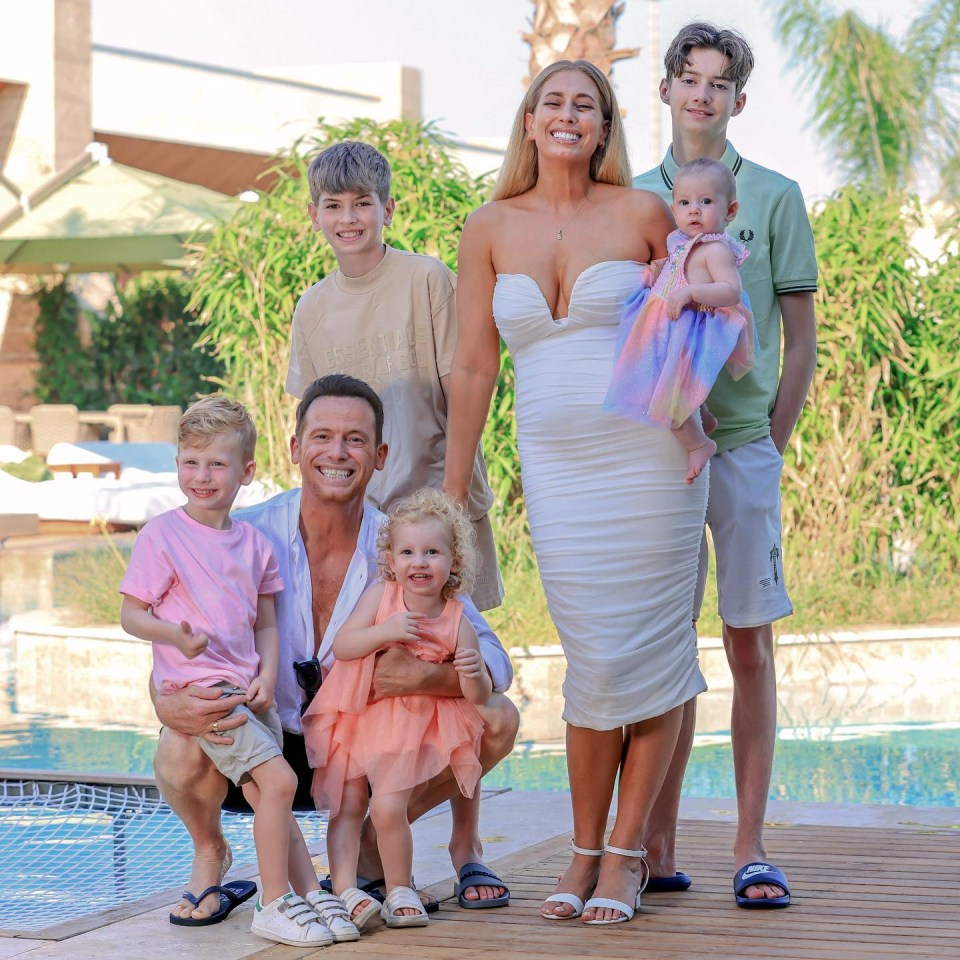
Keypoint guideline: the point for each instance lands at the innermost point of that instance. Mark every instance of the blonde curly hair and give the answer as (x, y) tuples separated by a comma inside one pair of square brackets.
[(430, 504)]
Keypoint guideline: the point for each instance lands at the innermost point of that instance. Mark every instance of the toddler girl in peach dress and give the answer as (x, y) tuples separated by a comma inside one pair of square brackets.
[(383, 750)]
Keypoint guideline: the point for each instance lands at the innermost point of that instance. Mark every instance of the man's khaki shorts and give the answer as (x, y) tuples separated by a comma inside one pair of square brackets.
[(743, 514)]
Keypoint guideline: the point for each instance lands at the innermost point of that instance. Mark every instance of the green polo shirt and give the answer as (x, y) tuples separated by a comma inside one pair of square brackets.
[(772, 224)]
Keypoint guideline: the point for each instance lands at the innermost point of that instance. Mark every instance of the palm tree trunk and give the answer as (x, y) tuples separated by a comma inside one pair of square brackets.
[(575, 30)]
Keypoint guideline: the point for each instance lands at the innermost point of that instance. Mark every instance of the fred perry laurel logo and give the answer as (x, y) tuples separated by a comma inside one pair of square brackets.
[(746, 235)]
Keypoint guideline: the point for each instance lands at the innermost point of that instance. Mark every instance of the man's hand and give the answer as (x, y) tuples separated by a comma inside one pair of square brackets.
[(190, 644), (259, 695), (397, 672), (193, 711)]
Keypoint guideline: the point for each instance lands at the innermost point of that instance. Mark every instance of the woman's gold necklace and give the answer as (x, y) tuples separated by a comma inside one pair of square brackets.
[(567, 223)]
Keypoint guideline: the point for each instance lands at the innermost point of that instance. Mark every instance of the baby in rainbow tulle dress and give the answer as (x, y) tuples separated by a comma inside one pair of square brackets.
[(684, 324)]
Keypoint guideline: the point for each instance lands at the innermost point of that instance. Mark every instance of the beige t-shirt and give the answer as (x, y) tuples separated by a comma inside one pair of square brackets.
[(396, 328)]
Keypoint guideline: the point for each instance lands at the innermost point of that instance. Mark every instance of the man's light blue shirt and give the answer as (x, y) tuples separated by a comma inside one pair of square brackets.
[(278, 519)]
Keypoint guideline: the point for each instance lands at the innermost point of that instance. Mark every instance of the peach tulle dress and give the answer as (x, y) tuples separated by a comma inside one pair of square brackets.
[(397, 743)]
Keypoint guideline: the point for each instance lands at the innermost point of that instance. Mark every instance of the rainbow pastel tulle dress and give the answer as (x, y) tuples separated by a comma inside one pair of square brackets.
[(665, 368)]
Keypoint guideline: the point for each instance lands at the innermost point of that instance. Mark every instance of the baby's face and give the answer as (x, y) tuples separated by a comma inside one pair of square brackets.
[(700, 205)]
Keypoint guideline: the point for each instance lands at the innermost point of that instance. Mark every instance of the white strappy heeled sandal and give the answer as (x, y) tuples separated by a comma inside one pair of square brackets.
[(571, 899), (625, 909)]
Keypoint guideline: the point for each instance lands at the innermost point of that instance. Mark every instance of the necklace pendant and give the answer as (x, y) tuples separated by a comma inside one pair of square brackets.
[(560, 234)]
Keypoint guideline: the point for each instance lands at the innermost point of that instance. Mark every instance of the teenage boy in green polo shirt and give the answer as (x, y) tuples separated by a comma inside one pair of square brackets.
[(706, 69)]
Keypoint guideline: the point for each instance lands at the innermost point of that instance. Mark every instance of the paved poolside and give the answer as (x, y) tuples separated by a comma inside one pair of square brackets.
[(869, 881)]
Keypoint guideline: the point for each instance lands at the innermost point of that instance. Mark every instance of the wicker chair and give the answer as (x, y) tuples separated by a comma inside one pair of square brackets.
[(52, 423), (133, 422), (162, 424), (8, 427)]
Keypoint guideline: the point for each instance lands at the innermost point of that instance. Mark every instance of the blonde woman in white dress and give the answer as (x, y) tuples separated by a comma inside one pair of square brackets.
[(548, 265)]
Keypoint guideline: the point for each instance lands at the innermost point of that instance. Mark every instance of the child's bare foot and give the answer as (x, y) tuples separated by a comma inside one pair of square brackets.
[(698, 458), (205, 872)]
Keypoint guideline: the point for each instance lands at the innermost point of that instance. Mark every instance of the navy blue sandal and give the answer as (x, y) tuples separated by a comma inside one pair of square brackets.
[(232, 894), (760, 872), (675, 884), (479, 875)]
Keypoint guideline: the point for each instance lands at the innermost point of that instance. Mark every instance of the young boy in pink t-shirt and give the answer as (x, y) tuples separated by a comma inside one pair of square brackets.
[(200, 588)]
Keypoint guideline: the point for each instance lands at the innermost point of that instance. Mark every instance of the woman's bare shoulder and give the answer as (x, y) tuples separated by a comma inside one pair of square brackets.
[(640, 202), (491, 215)]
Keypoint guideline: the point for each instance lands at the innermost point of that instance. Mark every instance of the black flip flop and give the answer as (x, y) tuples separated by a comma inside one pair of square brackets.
[(232, 894)]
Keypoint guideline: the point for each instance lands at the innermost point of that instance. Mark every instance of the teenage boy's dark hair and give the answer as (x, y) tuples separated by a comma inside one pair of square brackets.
[(341, 385), (701, 34)]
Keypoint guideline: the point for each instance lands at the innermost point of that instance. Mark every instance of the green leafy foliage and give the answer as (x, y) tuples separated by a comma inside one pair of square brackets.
[(252, 272), (870, 481), (66, 370), (142, 349), (146, 347)]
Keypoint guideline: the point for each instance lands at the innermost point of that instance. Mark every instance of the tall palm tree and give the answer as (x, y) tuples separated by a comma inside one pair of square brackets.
[(887, 107), (575, 30)]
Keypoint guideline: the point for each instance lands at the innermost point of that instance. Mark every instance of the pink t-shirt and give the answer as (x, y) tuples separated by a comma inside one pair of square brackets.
[(211, 578)]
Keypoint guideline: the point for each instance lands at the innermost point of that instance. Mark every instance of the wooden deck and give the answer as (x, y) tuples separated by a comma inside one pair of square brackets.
[(858, 893)]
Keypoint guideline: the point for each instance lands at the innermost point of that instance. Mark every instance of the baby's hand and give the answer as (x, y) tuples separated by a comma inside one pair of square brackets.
[(468, 663), (259, 695), (190, 644), (676, 301), (403, 627)]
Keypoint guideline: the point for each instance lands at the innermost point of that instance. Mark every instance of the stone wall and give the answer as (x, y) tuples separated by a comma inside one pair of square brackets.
[(18, 362)]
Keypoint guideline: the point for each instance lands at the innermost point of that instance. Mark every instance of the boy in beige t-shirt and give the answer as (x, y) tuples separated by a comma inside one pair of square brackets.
[(387, 317)]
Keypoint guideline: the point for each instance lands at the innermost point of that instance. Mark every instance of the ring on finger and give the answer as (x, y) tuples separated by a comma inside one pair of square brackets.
[(216, 727)]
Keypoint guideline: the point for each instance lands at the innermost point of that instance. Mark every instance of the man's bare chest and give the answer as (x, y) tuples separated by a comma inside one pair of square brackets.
[(327, 574)]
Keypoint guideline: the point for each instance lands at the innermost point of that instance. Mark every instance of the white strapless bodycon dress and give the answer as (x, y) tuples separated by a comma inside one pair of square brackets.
[(616, 529)]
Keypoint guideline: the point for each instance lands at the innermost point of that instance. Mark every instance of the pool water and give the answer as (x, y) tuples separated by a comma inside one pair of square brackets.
[(917, 764)]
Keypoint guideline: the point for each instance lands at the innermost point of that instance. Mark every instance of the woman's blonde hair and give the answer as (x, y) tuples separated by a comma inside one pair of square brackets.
[(429, 504), (610, 162)]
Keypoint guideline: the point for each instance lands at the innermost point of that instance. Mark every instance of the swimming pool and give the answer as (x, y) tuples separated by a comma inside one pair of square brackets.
[(909, 764), (861, 721), (62, 693)]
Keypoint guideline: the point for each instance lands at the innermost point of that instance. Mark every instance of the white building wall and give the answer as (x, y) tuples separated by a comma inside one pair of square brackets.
[(160, 98)]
